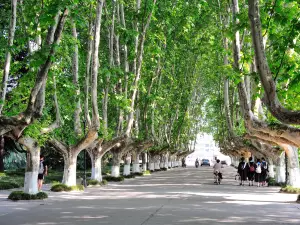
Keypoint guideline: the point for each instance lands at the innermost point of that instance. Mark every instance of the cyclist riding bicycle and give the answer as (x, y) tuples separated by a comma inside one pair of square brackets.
[(218, 171)]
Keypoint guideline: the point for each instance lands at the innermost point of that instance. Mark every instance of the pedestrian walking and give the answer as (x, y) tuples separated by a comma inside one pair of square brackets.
[(258, 170), (264, 171), (251, 172), (43, 171), (243, 171)]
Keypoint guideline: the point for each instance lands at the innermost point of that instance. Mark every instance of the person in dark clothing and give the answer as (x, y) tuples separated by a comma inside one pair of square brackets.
[(258, 170), (251, 172), (264, 171), (243, 171)]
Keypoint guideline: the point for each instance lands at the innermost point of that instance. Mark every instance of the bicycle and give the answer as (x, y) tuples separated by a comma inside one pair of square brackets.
[(218, 177)]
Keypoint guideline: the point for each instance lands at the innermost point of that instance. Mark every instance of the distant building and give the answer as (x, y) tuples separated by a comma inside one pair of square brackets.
[(206, 148)]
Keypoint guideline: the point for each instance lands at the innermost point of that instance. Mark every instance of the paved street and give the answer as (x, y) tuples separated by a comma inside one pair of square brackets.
[(180, 196)]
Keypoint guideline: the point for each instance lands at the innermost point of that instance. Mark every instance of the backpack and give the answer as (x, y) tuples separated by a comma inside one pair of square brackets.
[(258, 168), (41, 168), (252, 168)]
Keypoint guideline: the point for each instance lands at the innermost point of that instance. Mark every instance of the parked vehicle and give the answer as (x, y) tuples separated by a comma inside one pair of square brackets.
[(223, 162), (205, 162)]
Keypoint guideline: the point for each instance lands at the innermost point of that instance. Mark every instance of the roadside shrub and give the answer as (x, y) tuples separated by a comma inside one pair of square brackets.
[(17, 172), (114, 179), (63, 187), (164, 169), (4, 185), (42, 195), (298, 199), (2, 174), (290, 189), (77, 188), (104, 182), (60, 188), (147, 172), (20, 195), (92, 182)]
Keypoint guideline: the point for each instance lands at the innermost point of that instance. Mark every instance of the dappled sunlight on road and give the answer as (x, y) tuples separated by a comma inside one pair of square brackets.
[(180, 196)]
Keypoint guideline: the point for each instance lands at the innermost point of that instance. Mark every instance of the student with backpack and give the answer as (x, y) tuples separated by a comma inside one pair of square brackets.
[(243, 171), (264, 171), (251, 172), (258, 170)]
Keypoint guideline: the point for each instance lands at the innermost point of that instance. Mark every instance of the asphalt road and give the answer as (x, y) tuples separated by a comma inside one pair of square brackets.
[(175, 197)]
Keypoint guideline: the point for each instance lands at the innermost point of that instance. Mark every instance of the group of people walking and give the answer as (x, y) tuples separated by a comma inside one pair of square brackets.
[(253, 171)]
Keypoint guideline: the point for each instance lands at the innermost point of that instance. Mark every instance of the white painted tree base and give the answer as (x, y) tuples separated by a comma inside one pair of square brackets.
[(161, 165), (170, 164), (126, 170), (136, 168), (271, 171), (115, 171), (30, 183), (166, 165), (294, 177), (69, 178), (144, 167), (151, 166), (280, 174), (156, 166), (96, 174)]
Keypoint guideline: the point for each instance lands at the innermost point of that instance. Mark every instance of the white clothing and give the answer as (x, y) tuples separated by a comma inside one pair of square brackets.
[(218, 167)]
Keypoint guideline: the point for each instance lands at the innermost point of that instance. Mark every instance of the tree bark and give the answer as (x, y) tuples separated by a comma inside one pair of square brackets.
[(127, 160), (2, 142), (270, 99), (138, 73), (11, 35), (293, 165), (77, 122), (96, 166), (32, 164), (280, 169), (16, 124)]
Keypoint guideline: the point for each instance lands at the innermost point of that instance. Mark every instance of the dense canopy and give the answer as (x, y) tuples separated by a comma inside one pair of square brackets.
[(147, 76)]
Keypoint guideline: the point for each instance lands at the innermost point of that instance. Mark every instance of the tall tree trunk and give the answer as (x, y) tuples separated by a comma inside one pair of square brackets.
[(115, 169), (32, 164), (11, 35), (70, 164), (77, 122), (144, 161), (96, 166), (87, 76), (136, 162), (95, 65), (280, 169), (226, 94), (293, 165), (138, 72), (16, 124), (2, 154), (271, 99), (127, 160)]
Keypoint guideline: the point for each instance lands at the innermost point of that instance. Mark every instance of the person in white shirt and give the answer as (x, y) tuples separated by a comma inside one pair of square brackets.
[(218, 170), (218, 166)]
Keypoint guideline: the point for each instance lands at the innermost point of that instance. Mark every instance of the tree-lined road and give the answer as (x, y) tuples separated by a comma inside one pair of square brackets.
[(180, 196)]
